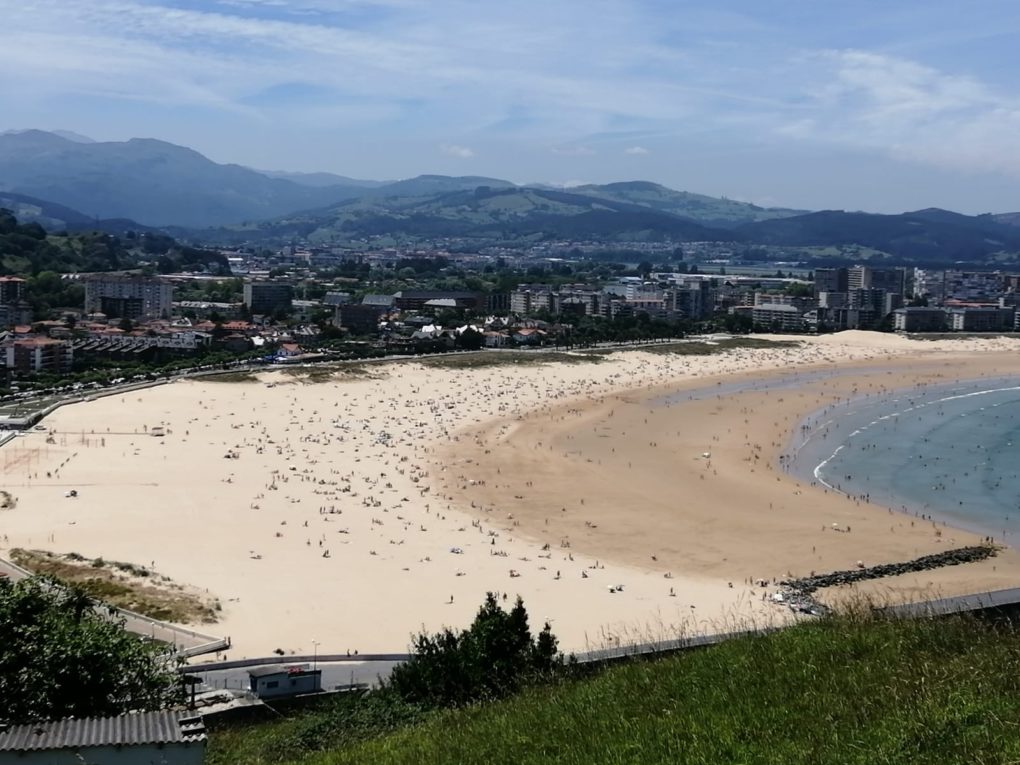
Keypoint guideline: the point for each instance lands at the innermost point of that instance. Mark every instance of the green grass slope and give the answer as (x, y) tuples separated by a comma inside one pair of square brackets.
[(925, 235), (503, 214), (710, 211), (836, 691)]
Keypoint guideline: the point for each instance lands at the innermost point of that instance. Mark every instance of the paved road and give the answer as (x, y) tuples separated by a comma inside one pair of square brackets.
[(977, 602), (334, 675), (338, 672)]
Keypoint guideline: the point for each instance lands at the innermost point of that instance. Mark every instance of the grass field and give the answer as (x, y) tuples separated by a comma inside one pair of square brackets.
[(698, 347), (240, 376), (839, 690), (500, 358)]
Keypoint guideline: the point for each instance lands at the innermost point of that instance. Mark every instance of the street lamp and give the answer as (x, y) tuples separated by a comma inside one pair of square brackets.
[(315, 654)]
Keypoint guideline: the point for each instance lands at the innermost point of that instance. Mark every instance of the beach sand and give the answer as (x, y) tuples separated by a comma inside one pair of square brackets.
[(356, 511)]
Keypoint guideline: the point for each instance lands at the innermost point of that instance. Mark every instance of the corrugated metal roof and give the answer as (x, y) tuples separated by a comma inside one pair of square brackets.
[(133, 729)]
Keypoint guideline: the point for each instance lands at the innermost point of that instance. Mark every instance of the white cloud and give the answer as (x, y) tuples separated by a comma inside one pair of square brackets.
[(460, 152), (459, 63), (912, 112), (386, 82)]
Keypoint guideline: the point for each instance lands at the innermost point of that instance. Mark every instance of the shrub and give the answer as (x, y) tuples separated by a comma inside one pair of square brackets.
[(491, 659)]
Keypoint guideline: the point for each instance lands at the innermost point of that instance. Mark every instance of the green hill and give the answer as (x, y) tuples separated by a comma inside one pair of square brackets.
[(425, 185), (56, 217), (711, 211), (29, 252), (840, 690), (485, 213), (933, 236)]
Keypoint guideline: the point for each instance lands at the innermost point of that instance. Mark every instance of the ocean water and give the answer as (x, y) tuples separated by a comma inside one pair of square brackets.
[(950, 451)]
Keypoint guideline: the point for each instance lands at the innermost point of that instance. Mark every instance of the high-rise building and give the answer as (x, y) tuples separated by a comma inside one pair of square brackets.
[(268, 297), (128, 297), (940, 286), (694, 301), (38, 354), (11, 289), (13, 308), (831, 280), (888, 279)]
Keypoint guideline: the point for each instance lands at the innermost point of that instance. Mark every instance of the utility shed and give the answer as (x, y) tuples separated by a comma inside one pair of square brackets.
[(274, 682), (137, 738)]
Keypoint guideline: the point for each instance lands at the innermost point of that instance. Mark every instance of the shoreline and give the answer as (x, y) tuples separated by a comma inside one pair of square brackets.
[(821, 423), (937, 367)]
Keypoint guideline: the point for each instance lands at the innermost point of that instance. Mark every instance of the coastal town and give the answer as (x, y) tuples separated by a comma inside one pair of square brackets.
[(302, 305), (552, 383)]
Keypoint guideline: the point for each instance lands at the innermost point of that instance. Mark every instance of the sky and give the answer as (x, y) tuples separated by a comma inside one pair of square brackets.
[(879, 105)]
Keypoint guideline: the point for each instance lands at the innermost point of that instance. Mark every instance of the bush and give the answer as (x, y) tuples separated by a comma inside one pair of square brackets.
[(491, 659), (61, 655)]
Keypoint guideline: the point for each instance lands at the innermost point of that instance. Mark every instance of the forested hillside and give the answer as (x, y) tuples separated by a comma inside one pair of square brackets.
[(28, 251)]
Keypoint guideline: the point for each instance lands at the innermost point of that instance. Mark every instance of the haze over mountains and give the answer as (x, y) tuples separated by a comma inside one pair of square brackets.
[(66, 180), (161, 184), (150, 181)]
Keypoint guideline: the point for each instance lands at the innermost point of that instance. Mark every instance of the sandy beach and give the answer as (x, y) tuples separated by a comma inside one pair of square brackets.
[(356, 510)]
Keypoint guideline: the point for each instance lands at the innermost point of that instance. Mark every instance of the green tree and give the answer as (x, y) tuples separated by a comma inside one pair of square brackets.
[(799, 290), (470, 340), (490, 660), (61, 655)]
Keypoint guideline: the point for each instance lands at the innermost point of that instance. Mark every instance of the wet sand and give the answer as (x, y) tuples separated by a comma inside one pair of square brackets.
[(700, 484)]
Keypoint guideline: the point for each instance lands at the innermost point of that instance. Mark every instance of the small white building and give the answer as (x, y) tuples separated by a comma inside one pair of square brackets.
[(276, 681), (137, 738)]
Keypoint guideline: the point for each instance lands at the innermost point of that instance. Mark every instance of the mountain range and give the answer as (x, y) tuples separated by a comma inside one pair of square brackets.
[(66, 180), (153, 182), (161, 184)]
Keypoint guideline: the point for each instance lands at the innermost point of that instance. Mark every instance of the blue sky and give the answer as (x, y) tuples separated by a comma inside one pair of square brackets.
[(857, 104)]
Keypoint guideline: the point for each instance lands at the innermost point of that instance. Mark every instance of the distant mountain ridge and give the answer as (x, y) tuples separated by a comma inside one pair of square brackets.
[(151, 181), (710, 211), (161, 184), (321, 180), (506, 213), (69, 181), (56, 217), (924, 235)]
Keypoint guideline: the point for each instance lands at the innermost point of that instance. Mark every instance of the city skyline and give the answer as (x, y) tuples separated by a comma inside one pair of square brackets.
[(801, 104)]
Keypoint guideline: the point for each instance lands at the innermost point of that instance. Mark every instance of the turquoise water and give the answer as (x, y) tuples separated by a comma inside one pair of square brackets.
[(952, 452)]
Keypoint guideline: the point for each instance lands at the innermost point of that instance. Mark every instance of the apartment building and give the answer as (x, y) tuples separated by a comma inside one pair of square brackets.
[(128, 297)]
